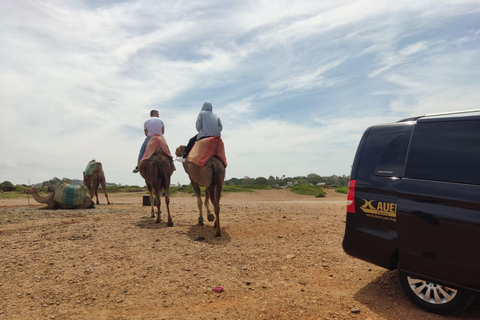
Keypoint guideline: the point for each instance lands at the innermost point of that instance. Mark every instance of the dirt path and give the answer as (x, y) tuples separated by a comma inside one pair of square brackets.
[(279, 257)]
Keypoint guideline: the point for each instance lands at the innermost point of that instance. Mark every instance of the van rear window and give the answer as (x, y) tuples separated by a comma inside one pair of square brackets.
[(445, 151), (383, 152), (392, 161)]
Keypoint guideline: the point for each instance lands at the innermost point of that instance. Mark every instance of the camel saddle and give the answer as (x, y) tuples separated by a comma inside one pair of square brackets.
[(152, 145), (70, 195), (206, 148), (92, 166)]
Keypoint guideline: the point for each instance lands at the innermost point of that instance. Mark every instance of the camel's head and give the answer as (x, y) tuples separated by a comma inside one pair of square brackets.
[(31, 190), (180, 150)]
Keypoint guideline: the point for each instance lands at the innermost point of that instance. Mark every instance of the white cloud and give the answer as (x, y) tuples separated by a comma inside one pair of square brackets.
[(78, 78)]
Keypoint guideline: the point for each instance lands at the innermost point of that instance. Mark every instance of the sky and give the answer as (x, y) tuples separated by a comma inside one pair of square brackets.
[(295, 83)]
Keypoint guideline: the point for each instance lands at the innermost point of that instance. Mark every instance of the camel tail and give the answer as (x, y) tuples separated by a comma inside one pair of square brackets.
[(218, 171), (164, 171)]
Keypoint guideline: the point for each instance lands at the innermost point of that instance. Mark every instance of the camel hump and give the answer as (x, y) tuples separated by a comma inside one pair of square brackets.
[(70, 195), (93, 166)]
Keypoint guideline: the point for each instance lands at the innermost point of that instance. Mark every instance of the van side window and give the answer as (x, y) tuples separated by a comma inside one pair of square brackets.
[(392, 161), (445, 151)]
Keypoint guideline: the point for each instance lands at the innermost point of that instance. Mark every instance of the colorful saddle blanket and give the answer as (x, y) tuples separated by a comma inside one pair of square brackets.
[(92, 166), (206, 148), (69, 194), (153, 143)]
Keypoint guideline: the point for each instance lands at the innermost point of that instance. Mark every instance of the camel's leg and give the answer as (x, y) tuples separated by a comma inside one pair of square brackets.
[(198, 192), (167, 201), (218, 194), (214, 197), (104, 186), (157, 195), (96, 191), (149, 187), (209, 197)]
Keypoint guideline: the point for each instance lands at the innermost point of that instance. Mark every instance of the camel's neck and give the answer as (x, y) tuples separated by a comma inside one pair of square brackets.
[(41, 199)]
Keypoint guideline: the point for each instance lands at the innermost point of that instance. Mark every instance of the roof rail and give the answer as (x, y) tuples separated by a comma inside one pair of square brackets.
[(437, 114)]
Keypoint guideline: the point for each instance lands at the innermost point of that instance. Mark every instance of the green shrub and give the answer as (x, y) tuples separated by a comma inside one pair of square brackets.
[(309, 190), (342, 190), (7, 186)]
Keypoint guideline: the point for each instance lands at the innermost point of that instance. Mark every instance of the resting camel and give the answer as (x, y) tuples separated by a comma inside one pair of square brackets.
[(157, 171), (93, 180), (52, 204), (210, 176)]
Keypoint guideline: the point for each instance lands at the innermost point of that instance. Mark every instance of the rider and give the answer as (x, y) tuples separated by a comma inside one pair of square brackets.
[(208, 125), (152, 126)]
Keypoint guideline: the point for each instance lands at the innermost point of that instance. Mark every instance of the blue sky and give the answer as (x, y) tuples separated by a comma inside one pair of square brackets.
[(295, 83)]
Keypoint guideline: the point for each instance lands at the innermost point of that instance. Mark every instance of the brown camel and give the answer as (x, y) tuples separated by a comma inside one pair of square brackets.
[(52, 204), (94, 179), (157, 171), (210, 176)]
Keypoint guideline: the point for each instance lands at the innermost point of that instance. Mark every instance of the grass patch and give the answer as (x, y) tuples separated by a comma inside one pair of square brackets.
[(117, 189), (244, 188), (309, 190), (12, 195), (342, 190)]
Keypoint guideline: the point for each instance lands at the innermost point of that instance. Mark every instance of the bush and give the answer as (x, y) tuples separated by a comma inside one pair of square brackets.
[(309, 190), (342, 190), (7, 186)]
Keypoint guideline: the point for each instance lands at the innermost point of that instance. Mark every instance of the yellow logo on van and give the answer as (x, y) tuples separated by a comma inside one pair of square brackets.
[(380, 210)]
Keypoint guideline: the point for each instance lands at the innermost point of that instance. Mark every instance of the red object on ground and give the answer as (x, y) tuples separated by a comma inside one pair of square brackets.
[(218, 289)]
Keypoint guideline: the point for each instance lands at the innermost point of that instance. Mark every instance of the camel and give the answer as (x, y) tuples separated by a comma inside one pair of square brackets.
[(94, 179), (210, 176), (157, 171), (52, 204)]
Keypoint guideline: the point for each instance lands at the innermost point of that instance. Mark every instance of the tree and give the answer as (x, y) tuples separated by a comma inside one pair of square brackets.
[(260, 181), (314, 178), (247, 181), (272, 181), (7, 186), (233, 182)]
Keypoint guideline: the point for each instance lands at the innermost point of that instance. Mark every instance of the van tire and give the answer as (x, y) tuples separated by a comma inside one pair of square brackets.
[(418, 291)]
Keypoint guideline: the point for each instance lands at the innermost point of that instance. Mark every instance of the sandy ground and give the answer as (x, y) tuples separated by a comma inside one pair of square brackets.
[(279, 257)]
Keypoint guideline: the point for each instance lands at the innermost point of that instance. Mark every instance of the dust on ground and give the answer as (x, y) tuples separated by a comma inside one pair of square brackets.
[(279, 257)]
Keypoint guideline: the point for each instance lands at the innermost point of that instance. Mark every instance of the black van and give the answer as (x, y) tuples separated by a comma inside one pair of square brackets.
[(414, 205)]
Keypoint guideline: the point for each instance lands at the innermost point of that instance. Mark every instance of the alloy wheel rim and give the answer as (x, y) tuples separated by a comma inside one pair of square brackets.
[(431, 292)]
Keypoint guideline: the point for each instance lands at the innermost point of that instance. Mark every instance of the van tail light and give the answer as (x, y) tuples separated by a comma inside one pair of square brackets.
[(351, 197)]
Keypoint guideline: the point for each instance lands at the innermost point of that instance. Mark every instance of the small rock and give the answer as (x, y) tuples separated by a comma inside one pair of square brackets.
[(290, 256), (355, 310), (199, 238)]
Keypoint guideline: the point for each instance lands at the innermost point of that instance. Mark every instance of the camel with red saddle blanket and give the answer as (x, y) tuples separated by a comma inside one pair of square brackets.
[(205, 166), (156, 167)]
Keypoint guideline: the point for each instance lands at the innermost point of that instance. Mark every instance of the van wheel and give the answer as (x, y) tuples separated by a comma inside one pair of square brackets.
[(433, 297)]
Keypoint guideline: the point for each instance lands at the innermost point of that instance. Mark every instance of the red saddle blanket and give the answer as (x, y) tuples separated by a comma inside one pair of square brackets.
[(206, 148), (152, 145)]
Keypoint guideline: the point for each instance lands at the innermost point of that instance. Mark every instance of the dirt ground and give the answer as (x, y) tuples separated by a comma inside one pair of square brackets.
[(279, 257)]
